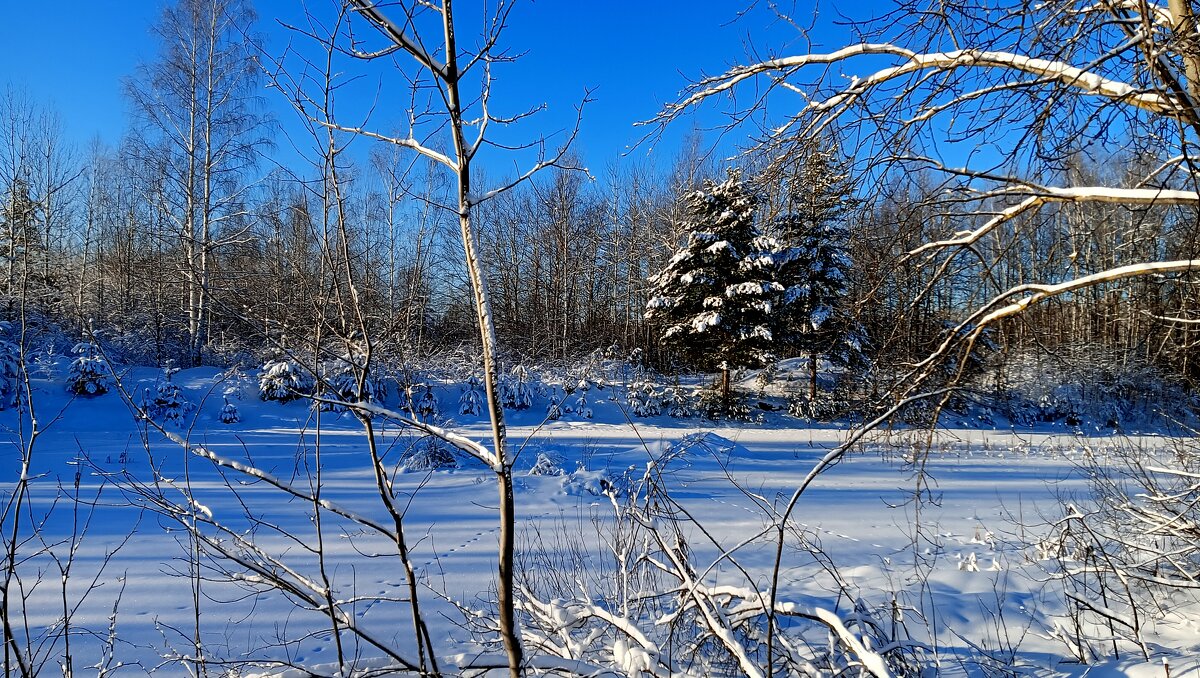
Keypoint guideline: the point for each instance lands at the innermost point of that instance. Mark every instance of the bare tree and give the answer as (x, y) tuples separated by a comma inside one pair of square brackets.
[(197, 100), (451, 127)]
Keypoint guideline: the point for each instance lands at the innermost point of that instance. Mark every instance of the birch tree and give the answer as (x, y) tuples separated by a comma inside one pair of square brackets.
[(196, 103)]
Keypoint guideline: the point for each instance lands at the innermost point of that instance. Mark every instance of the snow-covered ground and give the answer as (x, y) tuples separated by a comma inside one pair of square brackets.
[(956, 546)]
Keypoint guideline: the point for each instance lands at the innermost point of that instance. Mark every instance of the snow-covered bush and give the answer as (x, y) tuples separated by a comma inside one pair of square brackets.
[(428, 454), (10, 374), (1085, 388), (89, 375), (545, 465), (426, 408), (229, 413), (340, 382), (678, 403), (826, 407), (553, 411), (644, 400), (712, 405), (581, 407), (284, 380), (714, 629), (167, 404), (471, 400), (515, 393), (1133, 545)]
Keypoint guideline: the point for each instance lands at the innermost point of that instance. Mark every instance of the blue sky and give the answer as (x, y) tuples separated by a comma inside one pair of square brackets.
[(633, 55)]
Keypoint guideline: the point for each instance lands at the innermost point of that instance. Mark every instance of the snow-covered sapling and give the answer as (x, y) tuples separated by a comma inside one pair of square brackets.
[(89, 375), (341, 382), (229, 413), (427, 408), (677, 403), (169, 405), (471, 400), (515, 393), (553, 411), (581, 407), (545, 466), (284, 380), (428, 454), (644, 401)]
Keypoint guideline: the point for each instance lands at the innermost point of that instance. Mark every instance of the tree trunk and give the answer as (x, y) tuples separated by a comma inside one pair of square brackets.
[(812, 377), (725, 387)]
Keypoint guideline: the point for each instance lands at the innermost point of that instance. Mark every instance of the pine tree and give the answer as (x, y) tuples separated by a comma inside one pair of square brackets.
[(813, 263), (713, 300)]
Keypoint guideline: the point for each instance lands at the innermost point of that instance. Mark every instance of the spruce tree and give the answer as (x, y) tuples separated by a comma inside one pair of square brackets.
[(713, 300), (813, 262)]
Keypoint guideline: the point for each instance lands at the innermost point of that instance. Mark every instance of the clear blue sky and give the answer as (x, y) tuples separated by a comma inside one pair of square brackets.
[(634, 55)]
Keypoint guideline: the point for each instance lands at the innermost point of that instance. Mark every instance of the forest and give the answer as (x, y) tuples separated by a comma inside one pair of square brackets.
[(304, 326)]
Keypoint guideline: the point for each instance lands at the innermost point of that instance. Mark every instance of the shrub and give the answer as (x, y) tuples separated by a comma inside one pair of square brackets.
[(644, 400), (427, 408), (515, 393), (341, 383)]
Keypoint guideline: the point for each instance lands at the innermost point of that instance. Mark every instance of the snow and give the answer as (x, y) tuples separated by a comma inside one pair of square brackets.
[(969, 558)]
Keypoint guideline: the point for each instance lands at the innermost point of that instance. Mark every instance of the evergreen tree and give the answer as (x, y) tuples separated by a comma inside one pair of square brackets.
[(812, 262), (713, 300)]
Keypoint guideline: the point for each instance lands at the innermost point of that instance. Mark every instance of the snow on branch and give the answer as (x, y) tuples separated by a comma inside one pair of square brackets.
[(477, 450), (1036, 293), (399, 36), (913, 62), (1048, 194)]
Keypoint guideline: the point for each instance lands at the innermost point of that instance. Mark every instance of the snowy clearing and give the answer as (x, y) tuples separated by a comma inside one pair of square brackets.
[(964, 570)]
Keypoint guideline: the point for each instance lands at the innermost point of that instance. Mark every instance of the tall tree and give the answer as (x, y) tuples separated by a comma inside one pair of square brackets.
[(714, 299), (813, 259), (197, 99)]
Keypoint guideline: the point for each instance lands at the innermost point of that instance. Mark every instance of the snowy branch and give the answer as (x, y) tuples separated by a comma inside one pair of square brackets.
[(915, 62)]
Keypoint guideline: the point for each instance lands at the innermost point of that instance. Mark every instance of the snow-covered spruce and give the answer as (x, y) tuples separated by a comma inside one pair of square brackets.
[(284, 380), (167, 404), (553, 411), (471, 400), (678, 403), (713, 300), (582, 408), (428, 454), (810, 250), (644, 400), (89, 374), (341, 382), (546, 466), (515, 393), (229, 413), (427, 408)]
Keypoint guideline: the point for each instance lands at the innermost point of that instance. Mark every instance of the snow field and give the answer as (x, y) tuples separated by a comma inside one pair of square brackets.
[(953, 553)]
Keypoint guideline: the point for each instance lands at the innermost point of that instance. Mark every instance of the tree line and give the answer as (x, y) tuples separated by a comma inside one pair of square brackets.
[(181, 245)]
